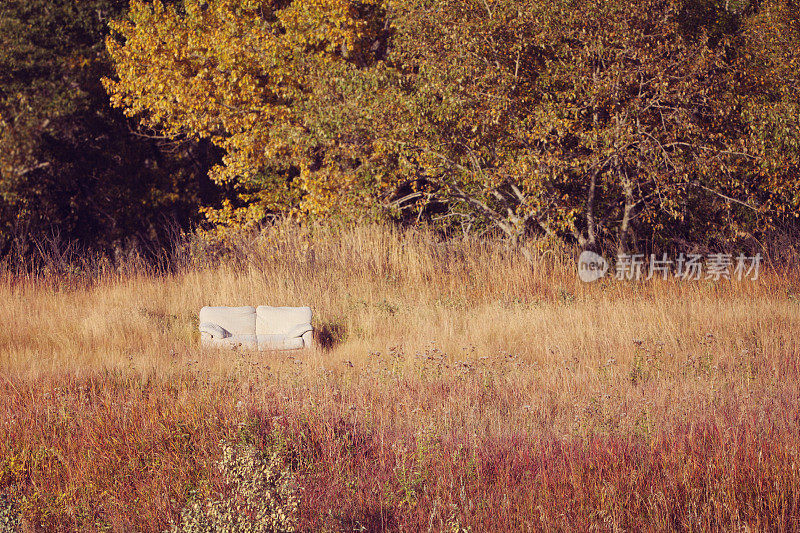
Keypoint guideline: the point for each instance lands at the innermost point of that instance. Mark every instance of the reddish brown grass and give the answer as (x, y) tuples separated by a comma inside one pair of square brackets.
[(463, 387)]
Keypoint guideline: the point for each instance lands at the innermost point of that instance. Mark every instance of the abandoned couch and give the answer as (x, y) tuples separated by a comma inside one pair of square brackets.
[(256, 328)]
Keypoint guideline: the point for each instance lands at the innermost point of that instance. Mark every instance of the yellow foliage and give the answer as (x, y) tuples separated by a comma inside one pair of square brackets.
[(234, 72)]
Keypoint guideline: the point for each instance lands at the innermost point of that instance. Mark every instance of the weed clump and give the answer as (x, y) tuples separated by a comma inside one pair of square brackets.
[(263, 496), (9, 515)]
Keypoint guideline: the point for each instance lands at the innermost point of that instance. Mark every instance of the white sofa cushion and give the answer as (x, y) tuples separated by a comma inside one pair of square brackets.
[(281, 320), (249, 342), (235, 320), (279, 342)]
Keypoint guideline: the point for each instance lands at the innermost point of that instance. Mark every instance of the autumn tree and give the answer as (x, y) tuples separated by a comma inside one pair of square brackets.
[(601, 121), (243, 75), (767, 86), (596, 120)]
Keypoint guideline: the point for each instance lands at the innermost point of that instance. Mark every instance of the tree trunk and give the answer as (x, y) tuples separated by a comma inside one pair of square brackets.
[(625, 230), (591, 235)]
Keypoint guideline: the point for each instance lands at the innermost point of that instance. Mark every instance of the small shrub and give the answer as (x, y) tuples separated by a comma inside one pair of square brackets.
[(264, 497), (9, 515)]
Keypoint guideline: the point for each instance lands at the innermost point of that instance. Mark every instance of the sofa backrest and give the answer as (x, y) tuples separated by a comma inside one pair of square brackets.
[(237, 320), (280, 320)]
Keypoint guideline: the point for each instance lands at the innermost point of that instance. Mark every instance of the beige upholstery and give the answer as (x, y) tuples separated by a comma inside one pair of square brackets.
[(235, 320), (262, 328), (280, 320)]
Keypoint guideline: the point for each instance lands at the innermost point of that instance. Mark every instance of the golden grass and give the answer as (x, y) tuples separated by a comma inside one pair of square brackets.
[(460, 385)]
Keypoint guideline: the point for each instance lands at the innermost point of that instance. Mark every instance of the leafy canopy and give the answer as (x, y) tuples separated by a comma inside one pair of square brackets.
[(241, 73), (596, 120)]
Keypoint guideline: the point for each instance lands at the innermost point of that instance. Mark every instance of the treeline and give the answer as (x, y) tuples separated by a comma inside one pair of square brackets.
[(655, 125)]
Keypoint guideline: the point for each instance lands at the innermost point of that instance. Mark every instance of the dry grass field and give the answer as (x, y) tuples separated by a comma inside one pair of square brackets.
[(457, 386)]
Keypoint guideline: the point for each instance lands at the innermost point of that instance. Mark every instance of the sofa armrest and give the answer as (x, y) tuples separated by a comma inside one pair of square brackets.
[(298, 331), (214, 330), (308, 339)]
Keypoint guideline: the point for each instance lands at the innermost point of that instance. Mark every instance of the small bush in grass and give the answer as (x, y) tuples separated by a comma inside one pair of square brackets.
[(9, 515), (263, 497)]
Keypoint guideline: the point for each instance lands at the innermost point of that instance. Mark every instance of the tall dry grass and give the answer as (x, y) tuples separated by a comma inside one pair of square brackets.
[(458, 385)]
